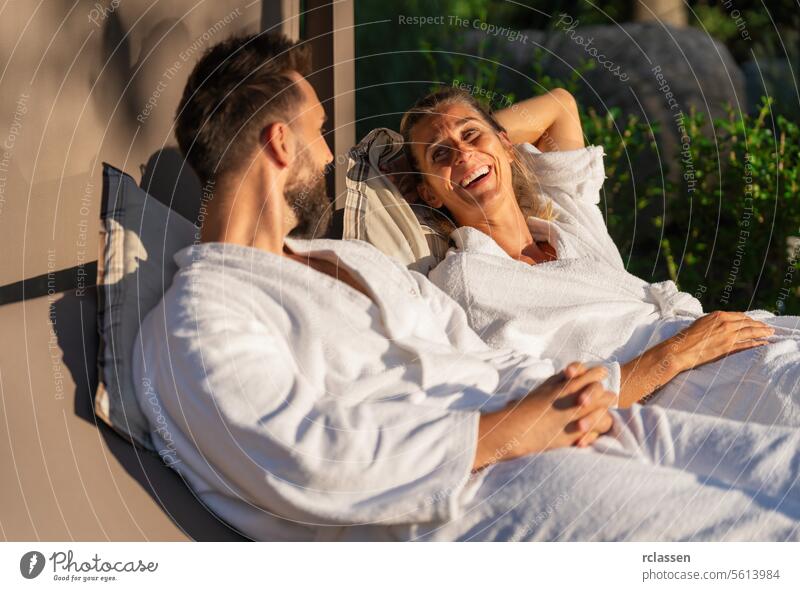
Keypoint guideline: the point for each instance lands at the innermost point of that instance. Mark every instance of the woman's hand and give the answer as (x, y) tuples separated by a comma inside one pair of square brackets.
[(715, 336), (570, 408), (399, 171), (707, 339)]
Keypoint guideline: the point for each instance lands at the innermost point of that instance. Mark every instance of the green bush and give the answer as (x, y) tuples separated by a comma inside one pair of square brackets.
[(726, 229), (731, 222)]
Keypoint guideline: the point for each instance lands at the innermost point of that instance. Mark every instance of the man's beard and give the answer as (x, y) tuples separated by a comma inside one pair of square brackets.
[(307, 195)]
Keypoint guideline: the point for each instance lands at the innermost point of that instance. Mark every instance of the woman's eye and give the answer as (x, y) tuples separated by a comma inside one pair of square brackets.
[(471, 134), (439, 154)]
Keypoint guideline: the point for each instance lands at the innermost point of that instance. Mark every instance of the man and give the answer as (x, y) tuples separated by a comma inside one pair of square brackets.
[(315, 389)]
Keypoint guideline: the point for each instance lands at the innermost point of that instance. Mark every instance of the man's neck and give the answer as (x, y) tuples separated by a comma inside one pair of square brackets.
[(249, 212)]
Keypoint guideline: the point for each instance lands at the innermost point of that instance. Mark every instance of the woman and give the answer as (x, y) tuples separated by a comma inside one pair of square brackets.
[(554, 285)]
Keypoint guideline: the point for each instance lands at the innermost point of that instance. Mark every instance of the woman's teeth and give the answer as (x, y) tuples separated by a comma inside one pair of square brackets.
[(475, 174)]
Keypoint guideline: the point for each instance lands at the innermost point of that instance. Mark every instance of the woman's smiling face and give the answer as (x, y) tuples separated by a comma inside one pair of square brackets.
[(465, 163)]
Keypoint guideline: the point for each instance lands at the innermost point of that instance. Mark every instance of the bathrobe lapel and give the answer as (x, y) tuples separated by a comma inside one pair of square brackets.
[(389, 287)]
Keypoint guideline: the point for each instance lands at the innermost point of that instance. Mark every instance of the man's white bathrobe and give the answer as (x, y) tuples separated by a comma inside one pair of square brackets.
[(586, 306), (300, 409)]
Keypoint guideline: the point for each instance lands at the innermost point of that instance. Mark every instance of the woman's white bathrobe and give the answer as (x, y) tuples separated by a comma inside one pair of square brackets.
[(300, 409), (586, 306)]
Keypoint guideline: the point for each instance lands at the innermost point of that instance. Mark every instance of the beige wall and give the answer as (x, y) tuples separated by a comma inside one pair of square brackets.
[(79, 86)]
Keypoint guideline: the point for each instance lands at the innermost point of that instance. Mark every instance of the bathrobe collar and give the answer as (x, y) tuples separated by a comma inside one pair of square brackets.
[(469, 239), (389, 286), (548, 231)]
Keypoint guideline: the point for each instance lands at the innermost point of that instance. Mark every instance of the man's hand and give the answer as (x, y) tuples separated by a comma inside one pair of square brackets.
[(570, 408)]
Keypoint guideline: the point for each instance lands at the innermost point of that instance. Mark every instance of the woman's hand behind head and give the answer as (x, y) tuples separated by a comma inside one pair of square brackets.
[(402, 174)]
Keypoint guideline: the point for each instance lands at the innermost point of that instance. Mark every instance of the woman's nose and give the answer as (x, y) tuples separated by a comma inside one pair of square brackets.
[(460, 154)]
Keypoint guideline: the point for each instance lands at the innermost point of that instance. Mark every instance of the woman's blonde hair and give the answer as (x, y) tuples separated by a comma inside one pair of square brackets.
[(523, 182)]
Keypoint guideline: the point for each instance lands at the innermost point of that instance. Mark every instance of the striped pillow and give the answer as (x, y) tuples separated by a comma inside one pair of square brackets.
[(376, 211)]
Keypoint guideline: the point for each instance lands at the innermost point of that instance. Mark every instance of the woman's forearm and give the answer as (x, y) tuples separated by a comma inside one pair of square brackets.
[(707, 339), (647, 373), (550, 121)]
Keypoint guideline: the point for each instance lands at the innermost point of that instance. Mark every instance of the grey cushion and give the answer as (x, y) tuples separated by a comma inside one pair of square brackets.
[(139, 236)]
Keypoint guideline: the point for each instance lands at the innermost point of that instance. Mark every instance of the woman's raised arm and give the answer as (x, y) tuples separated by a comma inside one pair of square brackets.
[(550, 122)]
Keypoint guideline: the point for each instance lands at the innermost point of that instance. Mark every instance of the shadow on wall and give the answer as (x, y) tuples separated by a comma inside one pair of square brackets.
[(135, 95)]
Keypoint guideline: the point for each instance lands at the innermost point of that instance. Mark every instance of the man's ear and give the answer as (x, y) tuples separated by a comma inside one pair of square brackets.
[(425, 193), (278, 143)]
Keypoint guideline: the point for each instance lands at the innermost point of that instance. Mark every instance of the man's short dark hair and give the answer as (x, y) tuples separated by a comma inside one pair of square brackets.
[(238, 87)]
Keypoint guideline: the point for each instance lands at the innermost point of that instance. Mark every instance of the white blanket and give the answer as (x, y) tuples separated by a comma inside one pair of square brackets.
[(297, 408), (586, 306)]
